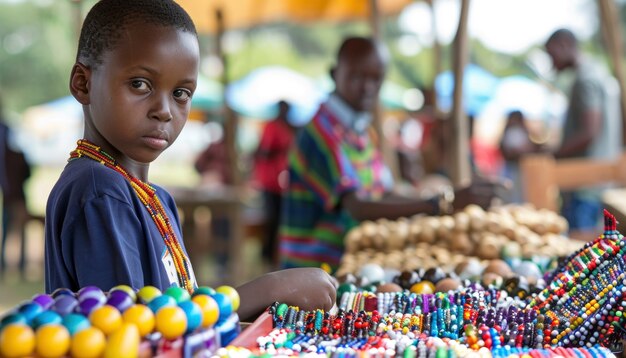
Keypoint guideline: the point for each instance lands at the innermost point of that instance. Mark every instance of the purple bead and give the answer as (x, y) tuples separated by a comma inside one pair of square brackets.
[(45, 301), (64, 304), (91, 292), (62, 292), (120, 300), (87, 305)]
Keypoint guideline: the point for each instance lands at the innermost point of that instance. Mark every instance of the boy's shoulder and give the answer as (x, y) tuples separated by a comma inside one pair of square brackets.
[(92, 179), (89, 178)]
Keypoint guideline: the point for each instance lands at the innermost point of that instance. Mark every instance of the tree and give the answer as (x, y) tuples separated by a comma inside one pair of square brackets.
[(37, 48)]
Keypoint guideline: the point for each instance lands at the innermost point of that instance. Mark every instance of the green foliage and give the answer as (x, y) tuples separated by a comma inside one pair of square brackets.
[(36, 52)]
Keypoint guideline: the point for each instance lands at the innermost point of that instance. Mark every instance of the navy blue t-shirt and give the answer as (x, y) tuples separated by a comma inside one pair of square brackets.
[(99, 233)]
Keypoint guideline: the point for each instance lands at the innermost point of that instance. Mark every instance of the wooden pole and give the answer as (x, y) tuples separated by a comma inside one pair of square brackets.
[(388, 152), (374, 19), (612, 33), (437, 64), (460, 168), (231, 124), (230, 118)]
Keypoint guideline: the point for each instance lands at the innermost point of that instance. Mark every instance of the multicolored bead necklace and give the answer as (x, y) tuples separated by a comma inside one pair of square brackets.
[(150, 200)]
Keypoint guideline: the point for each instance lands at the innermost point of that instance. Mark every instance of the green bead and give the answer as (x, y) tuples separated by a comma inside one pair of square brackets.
[(282, 309), (441, 353), (179, 294), (346, 287), (204, 290)]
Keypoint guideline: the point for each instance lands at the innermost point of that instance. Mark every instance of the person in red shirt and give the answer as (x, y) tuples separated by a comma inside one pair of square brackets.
[(270, 173)]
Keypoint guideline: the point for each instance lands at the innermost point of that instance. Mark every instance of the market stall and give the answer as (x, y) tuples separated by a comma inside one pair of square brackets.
[(537, 294)]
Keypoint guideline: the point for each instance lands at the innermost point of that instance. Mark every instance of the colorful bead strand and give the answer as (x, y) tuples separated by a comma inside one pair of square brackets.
[(148, 197)]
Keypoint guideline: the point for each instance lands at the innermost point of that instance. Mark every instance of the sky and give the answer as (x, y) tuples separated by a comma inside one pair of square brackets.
[(508, 26)]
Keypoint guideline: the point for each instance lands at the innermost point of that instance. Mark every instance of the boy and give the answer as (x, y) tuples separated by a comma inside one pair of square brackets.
[(135, 74)]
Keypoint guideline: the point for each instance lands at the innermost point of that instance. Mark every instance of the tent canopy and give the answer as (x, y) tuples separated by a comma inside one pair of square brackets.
[(248, 13)]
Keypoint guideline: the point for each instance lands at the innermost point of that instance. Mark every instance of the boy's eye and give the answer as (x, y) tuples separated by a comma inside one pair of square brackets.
[(139, 84), (182, 94)]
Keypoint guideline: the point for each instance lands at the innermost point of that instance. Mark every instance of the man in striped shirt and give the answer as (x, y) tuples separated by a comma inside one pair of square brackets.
[(336, 173)]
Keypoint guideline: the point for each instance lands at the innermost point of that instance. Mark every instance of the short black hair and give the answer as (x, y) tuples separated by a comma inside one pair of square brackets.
[(108, 19), (563, 34), (358, 45)]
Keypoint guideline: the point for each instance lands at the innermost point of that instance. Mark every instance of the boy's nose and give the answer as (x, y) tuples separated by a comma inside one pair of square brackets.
[(161, 109)]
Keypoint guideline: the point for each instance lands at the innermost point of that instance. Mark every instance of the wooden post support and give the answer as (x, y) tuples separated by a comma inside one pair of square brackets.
[(388, 151), (231, 124), (538, 175), (437, 64), (460, 168), (612, 33)]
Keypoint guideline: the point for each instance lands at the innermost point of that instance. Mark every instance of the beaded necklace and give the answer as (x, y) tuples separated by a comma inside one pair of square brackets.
[(150, 200)]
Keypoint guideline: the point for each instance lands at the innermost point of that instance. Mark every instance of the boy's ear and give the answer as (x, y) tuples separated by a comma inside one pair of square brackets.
[(332, 73), (79, 82)]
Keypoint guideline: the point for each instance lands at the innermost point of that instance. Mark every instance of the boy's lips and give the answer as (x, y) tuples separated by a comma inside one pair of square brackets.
[(157, 140)]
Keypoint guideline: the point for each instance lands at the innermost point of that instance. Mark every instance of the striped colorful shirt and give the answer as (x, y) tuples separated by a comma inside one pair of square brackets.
[(327, 161)]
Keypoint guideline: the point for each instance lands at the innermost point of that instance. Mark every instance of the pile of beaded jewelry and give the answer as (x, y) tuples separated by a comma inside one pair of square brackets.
[(370, 334), (580, 313), (586, 294)]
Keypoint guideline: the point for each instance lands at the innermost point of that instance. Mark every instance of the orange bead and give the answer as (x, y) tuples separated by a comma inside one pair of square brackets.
[(424, 287)]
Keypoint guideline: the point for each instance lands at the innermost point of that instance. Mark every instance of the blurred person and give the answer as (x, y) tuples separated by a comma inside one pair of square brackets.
[(485, 157), (410, 164), (514, 143), (592, 127), (336, 173), (213, 166), (270, 175), (15, 171)]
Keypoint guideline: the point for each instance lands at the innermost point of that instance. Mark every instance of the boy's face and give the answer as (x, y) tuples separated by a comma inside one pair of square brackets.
[(140, 96), (358, 79)]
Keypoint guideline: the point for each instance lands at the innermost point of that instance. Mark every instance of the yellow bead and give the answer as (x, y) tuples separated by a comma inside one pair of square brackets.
[(123, 342), (52, 340), (210, 309), (142, 317), (424, 287), (231, 293), (106, 318), (88, 343), (17, 340), (171, 321)]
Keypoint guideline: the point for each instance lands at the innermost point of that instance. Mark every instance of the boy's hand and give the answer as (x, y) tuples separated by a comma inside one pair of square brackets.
[(307, 288)]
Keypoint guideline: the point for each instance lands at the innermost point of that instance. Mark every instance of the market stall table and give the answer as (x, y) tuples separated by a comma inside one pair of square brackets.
[(225, 202)]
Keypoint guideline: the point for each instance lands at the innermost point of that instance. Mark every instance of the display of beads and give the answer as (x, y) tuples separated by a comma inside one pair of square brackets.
[(587, 292), (120, 322), (582, 306), (482, 342)]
